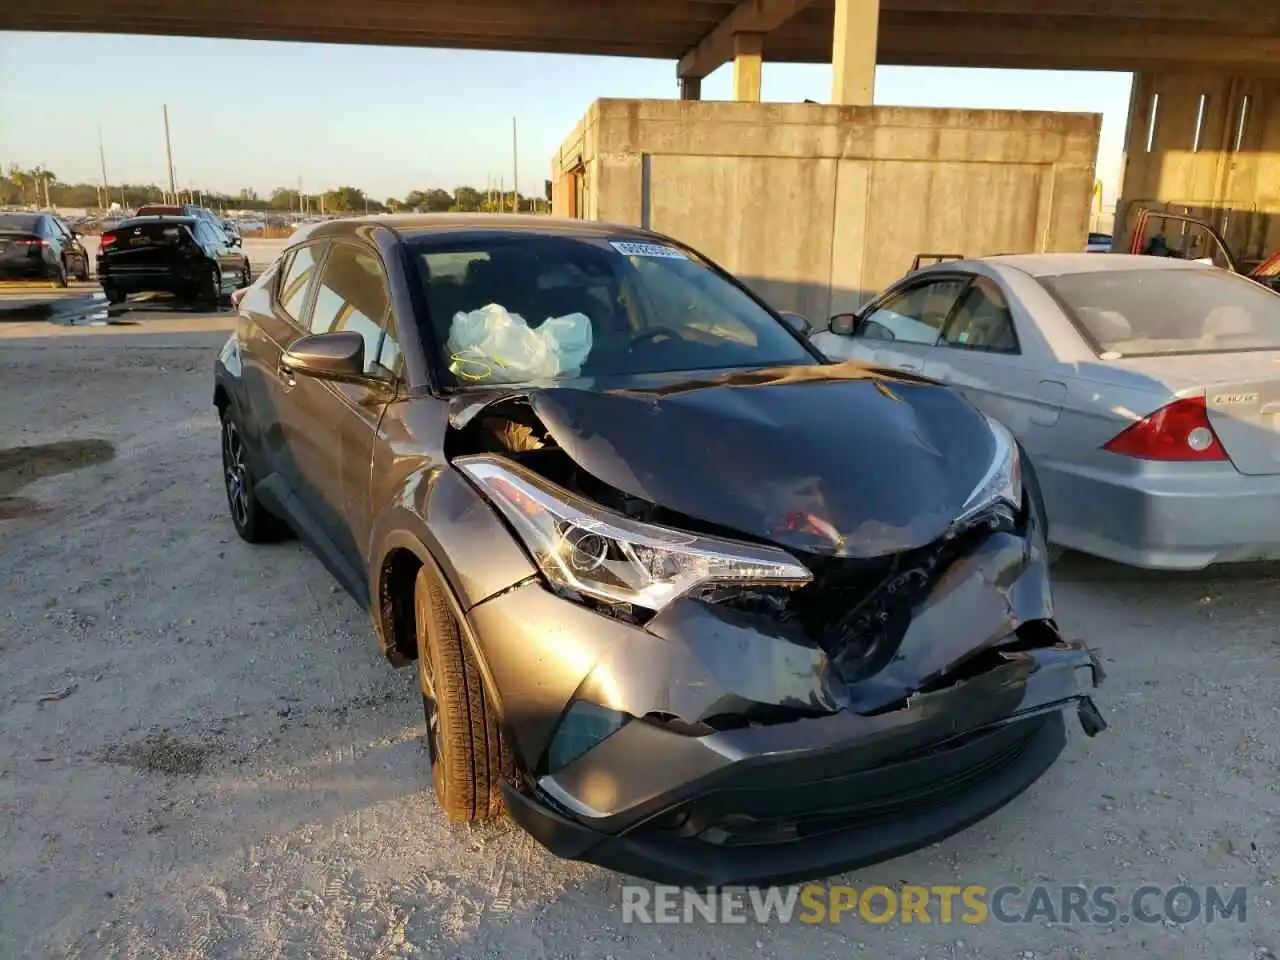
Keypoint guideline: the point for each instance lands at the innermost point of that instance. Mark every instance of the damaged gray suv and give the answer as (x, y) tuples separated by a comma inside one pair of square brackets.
[(685, 598)]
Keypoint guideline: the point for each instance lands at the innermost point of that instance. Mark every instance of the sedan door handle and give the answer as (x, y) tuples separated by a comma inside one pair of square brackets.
[(911, 367)]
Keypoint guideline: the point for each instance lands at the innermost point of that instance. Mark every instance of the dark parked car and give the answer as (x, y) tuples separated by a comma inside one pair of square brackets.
[(180, 255), (39, 246), (694, 603)]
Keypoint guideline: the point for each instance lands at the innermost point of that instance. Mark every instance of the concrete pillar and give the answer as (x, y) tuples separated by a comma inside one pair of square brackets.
[(690, 88), (1209, 145), (748, 66), (853, 52)]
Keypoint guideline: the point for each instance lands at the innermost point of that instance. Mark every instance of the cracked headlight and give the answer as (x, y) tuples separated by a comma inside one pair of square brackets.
[(1001, 485), (583, 548)]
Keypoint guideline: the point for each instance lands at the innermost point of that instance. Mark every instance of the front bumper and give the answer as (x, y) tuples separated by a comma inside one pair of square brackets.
[(966, 716), (787, 815)]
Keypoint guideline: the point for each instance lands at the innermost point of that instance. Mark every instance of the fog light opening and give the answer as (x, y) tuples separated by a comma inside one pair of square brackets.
[(583, 727)]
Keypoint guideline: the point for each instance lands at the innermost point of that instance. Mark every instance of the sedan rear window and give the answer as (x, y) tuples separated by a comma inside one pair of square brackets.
[(514, 310), (1136, 313), (14, 222)]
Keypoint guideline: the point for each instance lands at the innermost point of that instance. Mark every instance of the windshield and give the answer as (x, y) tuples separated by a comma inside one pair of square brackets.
[(523, 309), (1135, 313)]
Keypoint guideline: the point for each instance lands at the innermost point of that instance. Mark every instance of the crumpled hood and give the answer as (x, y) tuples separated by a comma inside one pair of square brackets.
[(833, 459)]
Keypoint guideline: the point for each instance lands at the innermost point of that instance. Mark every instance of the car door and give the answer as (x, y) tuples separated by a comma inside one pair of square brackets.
[(981, 354), (900, 328), (264, 335), (67, 248), (331, 427)]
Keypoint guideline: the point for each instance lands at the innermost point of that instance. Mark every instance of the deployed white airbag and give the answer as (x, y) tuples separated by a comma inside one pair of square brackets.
[(493, 345)]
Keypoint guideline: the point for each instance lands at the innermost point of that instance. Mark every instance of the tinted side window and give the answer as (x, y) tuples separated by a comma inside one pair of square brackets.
[(352, 296), (296, 279), (982, 321), (916, 314), (204, 234)]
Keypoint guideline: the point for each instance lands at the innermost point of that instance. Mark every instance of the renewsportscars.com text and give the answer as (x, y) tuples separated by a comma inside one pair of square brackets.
[(968, 904)]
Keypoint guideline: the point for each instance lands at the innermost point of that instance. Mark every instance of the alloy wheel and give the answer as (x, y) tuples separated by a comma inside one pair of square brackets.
[(236, 474)]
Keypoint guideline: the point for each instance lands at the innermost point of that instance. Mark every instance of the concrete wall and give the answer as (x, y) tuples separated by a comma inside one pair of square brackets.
[(1209, 145), (818, 207)]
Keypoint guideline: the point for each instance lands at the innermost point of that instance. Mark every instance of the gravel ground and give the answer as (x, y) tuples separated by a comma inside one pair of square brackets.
[(203, 755)]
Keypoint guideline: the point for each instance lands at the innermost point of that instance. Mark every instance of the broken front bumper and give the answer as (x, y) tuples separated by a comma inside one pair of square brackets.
[(839, 775), (810, 798)]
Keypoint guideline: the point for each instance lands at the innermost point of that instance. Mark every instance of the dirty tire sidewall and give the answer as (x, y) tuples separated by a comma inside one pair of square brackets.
[(471, 757)]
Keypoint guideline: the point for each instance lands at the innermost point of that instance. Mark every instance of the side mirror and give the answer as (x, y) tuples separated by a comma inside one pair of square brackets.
[(327, 356), (797, 322), (234, 241), (844, 324)]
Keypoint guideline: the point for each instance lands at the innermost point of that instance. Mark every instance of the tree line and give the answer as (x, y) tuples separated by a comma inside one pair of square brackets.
[(42, 188)]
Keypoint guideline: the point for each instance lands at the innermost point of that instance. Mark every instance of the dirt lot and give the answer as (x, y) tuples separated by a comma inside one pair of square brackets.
[(202, 754)]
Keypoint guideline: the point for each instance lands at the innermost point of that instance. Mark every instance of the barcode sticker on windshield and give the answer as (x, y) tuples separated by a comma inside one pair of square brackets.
[(629, 249)]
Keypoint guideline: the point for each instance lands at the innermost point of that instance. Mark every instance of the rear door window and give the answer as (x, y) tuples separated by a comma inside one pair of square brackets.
[(296, 281), (982, 320)]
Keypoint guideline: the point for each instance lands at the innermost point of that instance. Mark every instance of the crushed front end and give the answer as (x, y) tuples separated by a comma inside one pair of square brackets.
[(774, 723)]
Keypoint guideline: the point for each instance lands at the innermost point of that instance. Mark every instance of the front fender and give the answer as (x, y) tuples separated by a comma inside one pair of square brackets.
[(437, 512)]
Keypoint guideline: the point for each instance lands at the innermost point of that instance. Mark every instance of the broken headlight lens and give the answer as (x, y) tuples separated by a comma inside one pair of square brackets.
[(583, 548), (1001, 485)]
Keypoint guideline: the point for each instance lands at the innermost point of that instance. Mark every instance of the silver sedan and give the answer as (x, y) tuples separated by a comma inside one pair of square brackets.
[(1145, 391)]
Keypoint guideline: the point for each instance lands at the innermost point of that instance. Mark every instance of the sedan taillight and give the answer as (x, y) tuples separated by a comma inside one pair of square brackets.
[(1179, 431)]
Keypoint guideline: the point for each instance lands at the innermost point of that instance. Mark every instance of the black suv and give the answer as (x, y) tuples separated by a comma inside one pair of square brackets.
[(179, 255)]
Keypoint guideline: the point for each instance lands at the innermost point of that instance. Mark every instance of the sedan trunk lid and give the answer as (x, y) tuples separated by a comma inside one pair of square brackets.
[(1242, 395)]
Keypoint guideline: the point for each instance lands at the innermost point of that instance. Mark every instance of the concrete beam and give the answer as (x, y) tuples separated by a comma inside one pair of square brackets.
[(855, 34), (748, 66), (749, 16), (1142, 47), (690, 88)]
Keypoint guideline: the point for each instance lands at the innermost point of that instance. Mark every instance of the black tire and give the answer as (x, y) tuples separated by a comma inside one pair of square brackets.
[(253, 522), (469, 755), (209, 293), (60, 278), (246, 275), (114, 296), (83, 274)]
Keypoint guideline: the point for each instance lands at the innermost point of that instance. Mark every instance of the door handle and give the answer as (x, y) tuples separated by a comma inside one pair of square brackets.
[(913, 367), (285, 373)]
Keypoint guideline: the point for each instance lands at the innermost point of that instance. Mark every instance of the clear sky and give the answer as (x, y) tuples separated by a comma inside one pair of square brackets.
[(390, 120)]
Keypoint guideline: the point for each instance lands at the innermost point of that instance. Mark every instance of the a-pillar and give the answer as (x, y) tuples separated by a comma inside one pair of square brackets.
[(748, 66), (853, 52), (690, 88), (1209, 145)]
